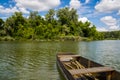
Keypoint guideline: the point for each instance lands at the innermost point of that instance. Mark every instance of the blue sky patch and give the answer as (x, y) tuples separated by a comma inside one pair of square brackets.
[(105, 14)]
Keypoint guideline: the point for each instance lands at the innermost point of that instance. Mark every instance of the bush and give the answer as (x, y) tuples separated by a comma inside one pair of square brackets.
[(6, 38)]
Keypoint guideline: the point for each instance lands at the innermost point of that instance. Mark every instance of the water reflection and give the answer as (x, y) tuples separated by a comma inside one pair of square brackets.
[(104, 52), (37, 60)]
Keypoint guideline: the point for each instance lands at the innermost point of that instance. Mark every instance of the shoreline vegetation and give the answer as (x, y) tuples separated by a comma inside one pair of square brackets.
[(60, 25), (66, 38)]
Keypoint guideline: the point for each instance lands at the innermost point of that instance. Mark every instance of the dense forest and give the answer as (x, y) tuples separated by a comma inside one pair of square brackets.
[(111, 35), (60, 24)]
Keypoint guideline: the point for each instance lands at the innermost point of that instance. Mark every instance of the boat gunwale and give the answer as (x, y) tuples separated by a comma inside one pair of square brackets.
[(66, 76)]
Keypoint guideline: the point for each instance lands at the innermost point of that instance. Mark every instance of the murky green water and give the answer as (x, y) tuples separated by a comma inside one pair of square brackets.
[(37, 60)]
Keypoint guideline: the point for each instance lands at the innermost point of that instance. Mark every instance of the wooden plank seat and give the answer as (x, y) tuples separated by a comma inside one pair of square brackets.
[(68, 55), (91, 70)]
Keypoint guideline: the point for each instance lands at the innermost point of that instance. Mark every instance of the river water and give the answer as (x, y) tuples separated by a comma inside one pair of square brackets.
[(37, 60)]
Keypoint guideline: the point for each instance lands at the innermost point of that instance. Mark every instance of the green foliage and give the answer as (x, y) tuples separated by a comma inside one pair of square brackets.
[(111, 34), (34, 19), (12, 23), (50, 16), (61, 24), (6, 38), (1, 24), (66, 15), (2, 31), (28, 33)]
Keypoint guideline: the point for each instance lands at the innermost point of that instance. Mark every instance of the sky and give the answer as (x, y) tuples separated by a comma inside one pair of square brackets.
[(104, 14)]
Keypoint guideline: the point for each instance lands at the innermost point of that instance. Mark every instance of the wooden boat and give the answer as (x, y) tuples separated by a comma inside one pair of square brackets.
[(75, 67)]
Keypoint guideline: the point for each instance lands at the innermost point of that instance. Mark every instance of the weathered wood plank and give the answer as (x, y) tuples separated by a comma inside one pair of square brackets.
[(91, 70), (68, 55)]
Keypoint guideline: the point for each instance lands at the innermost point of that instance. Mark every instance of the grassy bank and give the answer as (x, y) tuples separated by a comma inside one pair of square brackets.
[(7, 38), (61, 38)]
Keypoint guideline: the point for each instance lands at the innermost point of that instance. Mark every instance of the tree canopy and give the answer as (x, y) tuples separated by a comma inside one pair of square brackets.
[(56, 24)]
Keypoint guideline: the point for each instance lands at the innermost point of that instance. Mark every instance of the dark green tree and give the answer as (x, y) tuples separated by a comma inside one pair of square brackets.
[(35, 19), (56, 24), (2, 31), (13, 22), (66, 15), (50, 15), (1, 24), (69, 18)]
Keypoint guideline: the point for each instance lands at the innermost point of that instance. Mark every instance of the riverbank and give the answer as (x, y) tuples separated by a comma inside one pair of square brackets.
[(61, 38), (7, 38)]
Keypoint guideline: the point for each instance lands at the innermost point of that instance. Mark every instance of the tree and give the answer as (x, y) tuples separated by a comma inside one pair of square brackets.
[(28, 33), (35, 19), (63, 23), (39, 31), (85, 27), (12, 23), (1, 24), (2, 31), (65, 15), (69, 18), (50, 15), (73, 16)]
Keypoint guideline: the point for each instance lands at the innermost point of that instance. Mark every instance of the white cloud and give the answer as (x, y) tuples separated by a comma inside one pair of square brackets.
[(43, 16), (4, 10), (11, 9), (23, 10), (37, 5), (101, 29), (75, 4), (118, 12), (87, 1), (108, 5), (83, 19), (110, 22), (33, 5)]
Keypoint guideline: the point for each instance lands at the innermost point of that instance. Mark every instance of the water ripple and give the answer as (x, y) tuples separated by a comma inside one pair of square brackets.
[(37, 60)]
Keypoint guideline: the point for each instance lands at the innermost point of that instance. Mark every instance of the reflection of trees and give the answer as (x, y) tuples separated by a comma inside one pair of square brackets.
[(33, 60), (69, 46)]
